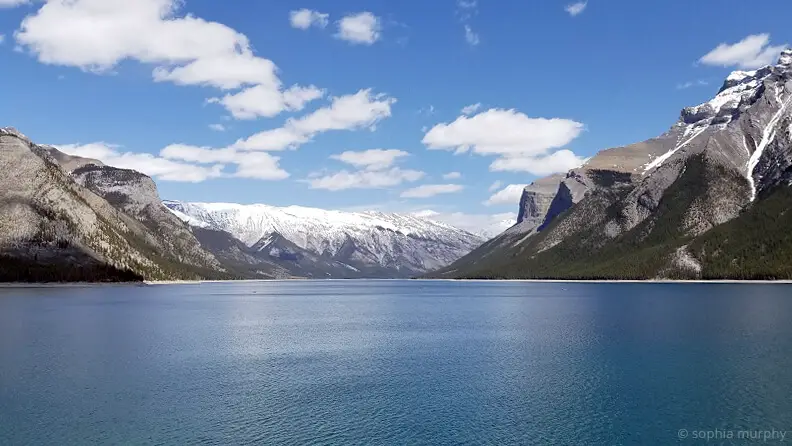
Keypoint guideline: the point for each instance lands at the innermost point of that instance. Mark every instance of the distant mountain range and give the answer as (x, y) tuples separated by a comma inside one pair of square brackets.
[(708, 199), (317, 243), (66, 218)]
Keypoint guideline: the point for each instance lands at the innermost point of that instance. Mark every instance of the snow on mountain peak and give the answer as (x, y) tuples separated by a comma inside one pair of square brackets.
[(786, 57), (375, 237)]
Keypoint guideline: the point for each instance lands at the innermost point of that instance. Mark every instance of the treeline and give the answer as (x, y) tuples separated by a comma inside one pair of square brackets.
[(757, 245), (16, 269)]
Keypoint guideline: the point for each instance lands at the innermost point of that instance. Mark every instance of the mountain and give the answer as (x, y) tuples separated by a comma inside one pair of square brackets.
[(707, 199), (66, 218), (322, 243)]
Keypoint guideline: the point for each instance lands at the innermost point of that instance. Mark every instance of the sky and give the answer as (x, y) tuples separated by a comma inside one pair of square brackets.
[(444, 107)]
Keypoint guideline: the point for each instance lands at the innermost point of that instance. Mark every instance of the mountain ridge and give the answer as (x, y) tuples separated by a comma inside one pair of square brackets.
[(634, 211), (404, 244)]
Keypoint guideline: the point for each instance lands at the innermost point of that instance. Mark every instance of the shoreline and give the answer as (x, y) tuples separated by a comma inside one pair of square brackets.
[(200, 282), (648, 281)]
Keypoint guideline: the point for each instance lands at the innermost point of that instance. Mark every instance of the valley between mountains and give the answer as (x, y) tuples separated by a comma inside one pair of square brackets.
[(708, 199)]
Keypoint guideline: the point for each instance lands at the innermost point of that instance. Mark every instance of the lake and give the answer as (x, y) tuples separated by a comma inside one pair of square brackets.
[(394, 362)]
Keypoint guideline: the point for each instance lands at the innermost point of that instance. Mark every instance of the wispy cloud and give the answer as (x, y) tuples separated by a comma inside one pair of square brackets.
[(691, 84), (470, 109), (576, 9), (466, 9), (430, 190)]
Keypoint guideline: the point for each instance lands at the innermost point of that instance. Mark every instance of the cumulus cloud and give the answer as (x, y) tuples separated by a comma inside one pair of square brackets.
[(375, 170), (363, 28), (306, 18), (452, 176), (374, 159), (752, 52), (184, 163), (470, 109), (558, 162), (97, 35), (352, 112), (503, 132), (256, 165), (430, 190), (217, 127), (160, 168), (509, 195), (575, 9), (364, 179), (265, 101)]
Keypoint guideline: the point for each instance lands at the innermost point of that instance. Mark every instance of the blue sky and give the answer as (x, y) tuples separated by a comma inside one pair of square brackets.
[(118, 79)]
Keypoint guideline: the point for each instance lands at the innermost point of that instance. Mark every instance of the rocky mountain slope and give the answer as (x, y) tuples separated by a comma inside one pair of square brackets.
[(685, 204), (91, 223), (326, 243)]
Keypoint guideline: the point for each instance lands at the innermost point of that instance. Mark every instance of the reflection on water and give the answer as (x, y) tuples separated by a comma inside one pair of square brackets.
[(398, 362)]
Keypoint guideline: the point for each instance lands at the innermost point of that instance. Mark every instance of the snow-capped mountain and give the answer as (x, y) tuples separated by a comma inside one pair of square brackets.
[(701, 200), (403, 244)]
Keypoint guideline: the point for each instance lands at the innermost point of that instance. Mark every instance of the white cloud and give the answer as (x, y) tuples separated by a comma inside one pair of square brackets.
[(217, 127), (357, 111), (374, 159), (509, 195), (466, 9), (256, 165), (487, 225), (364, 179), (12, 3), (471, 37), (360, 110), (273, 140), (752, 52), (305, 18), (96, 35), (430, 190), (470, 109), (503, 132), (576, 8), (363, 28), (495, 185), (265, 101), (159, 168), (691, 84), (225, 72), (184, 163), (558, 162), (428, 111), (452, 176)]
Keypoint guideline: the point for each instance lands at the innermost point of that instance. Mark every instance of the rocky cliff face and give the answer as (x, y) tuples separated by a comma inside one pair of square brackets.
[(136, 195), (54, 228), (644, 203)]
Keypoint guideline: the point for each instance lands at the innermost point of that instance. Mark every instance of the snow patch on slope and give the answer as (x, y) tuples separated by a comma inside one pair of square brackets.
[(768, 135), (389, 240), (662, 158)]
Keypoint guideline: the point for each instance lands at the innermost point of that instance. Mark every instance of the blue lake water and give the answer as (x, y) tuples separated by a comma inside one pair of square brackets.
[(393, 362)]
